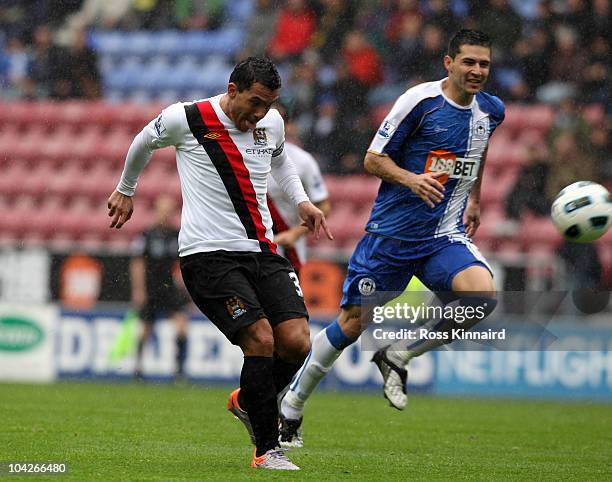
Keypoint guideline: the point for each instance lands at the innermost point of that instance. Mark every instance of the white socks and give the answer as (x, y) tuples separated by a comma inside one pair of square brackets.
[(320, 360)]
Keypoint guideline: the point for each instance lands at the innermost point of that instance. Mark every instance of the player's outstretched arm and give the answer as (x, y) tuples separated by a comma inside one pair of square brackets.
[(120, 208), (163, 131), (425, 185), (314, 219)]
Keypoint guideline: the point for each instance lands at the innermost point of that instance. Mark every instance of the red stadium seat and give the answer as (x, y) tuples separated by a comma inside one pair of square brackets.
[(16, 113), (495, 190), (114, 145), (539, 231), (538, 117), (358, 190), (9, 135), (98, 181), (12, 177), (535, 117)]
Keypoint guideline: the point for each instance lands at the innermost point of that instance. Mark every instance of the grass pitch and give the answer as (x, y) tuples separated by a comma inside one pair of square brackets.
[(166, 432)]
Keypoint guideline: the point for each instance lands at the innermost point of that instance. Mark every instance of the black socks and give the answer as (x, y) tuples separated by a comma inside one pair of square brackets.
[(258, 398)]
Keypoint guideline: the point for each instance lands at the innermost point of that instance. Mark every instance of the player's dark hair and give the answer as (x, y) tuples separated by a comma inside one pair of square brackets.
[(467, 37), (255, 69)]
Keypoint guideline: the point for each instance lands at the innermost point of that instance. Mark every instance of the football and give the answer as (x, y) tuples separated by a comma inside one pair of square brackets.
[(582, 212)]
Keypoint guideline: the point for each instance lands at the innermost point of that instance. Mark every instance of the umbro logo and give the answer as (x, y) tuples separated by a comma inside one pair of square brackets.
[(212, 135)]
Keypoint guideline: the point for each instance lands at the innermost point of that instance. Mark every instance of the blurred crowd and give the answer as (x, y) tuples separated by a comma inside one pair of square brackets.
[(574, 150), (337, 56)]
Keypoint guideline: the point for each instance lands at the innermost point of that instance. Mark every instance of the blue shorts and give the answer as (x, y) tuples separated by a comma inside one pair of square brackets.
[(381, 264)]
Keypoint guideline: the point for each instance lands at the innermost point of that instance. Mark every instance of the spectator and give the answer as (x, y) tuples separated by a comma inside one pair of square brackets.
[(294, 29), (96, 13), (569, 62), (150, 15), (404, 9), (596, 84), (336, 18), (362, 60), (601, 149), (406, 52), (569, 164), (320, 141), (569, 118), (198, 14), (439, 13), (573, 14), (501, 22), (303, 91), (259, 29), (429, 67), (79, 77), (600, 20), (509, 80), (536, 65), (530, 184), (47, 62), (373, 16), (351, 143), (17, 69), (154, 290)]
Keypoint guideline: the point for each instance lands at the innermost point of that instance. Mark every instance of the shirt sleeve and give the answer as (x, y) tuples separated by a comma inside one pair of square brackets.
[(313, 181), (163, 131), (286, 176), (283, 169), (403, 119)]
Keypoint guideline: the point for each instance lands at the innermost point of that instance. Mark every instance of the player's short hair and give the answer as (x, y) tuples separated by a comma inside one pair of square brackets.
[(255, 69), (467, 37)]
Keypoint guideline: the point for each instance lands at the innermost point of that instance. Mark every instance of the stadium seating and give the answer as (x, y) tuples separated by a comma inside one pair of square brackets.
[(153, 65), (59, 162)]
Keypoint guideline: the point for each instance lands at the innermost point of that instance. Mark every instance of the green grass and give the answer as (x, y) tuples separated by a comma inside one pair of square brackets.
[(165, 432)]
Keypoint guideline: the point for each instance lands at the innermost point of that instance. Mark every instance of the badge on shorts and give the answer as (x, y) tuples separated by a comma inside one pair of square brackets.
[(235, 307), (366, 286)]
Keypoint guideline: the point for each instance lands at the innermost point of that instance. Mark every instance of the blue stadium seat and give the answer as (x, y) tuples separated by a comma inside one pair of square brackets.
[(238, 11)]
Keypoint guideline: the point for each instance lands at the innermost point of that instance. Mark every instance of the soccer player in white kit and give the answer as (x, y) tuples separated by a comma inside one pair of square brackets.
[(287, 226), (225, 148)]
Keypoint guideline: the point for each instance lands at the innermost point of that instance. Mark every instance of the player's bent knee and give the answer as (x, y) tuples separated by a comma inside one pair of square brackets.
[(257, 339), (294, 350), (292, 340)]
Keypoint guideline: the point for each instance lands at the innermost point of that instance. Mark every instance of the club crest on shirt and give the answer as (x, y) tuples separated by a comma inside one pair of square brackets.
[(235, 307), (259, 136), (366, 286), (481, 129)]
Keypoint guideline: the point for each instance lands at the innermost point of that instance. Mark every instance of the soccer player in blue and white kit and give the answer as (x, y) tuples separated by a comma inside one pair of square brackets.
[(430, 153)]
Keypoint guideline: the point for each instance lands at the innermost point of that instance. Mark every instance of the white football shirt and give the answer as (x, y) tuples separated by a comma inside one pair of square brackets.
[(310, 174), (223, 174)]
